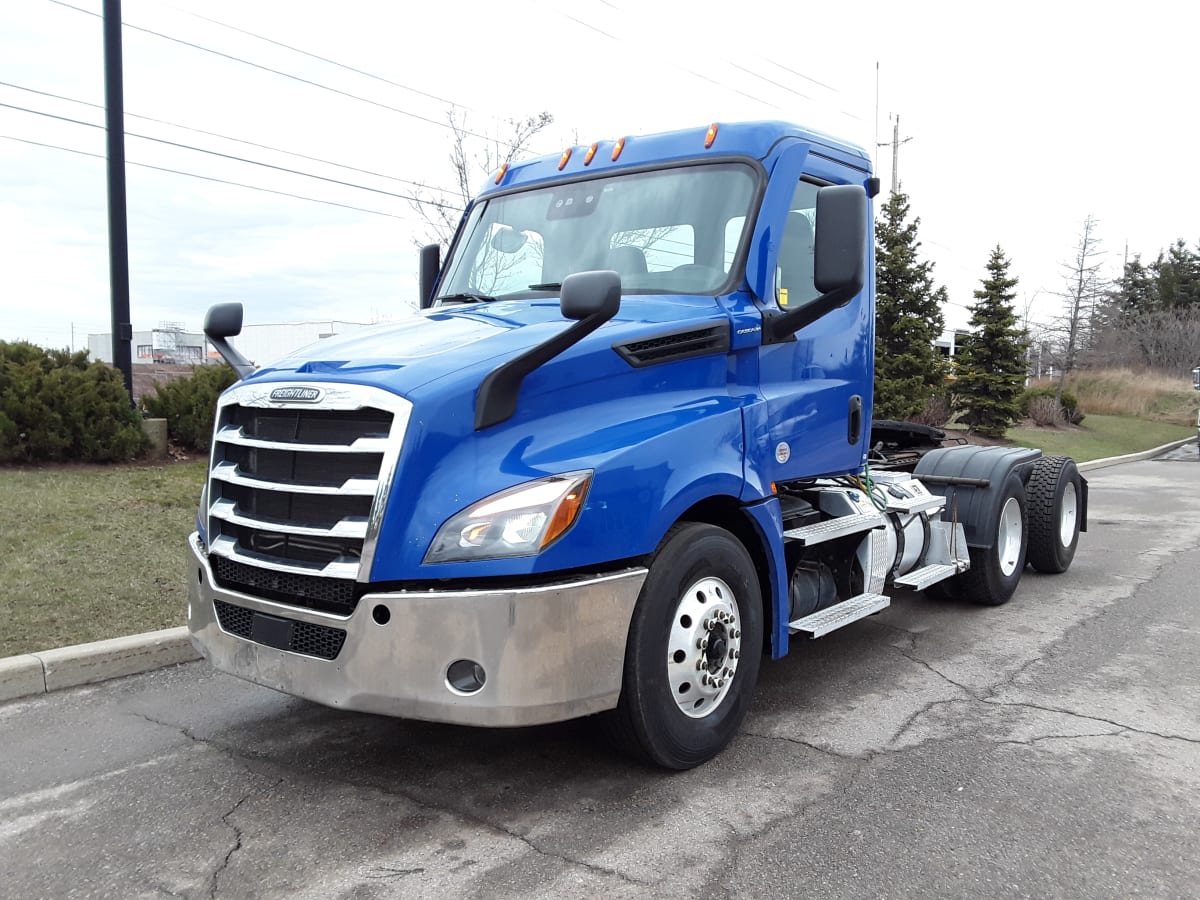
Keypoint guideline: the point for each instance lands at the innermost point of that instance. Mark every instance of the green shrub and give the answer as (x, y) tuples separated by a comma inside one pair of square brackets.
[(1070, 406), (56, 406), (190, 404)]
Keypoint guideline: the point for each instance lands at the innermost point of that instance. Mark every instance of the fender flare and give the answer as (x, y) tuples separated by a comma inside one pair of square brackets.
[(973, 505)]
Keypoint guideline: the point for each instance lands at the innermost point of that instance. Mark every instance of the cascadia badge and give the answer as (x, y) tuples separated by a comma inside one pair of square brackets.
[(297, 394)]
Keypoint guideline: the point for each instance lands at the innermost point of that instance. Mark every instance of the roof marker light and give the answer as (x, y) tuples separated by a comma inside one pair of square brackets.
[(587, 160), (617, 149), (500, 174), (711, 136), (562, 163)]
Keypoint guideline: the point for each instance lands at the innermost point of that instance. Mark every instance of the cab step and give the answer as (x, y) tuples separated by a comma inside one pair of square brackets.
[(919, 579), (830, 529), (834, 617)]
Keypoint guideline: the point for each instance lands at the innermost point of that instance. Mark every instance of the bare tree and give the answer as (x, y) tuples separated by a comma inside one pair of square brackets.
[(473, 157), (1084, 287)]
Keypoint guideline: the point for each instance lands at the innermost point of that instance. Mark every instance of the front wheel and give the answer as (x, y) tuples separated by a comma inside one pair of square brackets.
[(693, 652)]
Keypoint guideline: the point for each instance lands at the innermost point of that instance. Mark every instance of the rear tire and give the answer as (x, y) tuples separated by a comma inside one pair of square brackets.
[(680, 704), (995, 571), (1054, 496)]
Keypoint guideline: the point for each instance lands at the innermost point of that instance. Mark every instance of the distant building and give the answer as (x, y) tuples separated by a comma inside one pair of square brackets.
[(169, 344), (952, 341)]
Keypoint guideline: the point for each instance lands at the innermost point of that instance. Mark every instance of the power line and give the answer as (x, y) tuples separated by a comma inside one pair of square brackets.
[(310, 82), (242, 159), (226, 137), (250, 187), (326, 59)]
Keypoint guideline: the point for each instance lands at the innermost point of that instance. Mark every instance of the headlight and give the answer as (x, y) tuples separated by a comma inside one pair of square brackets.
[(521, 521)]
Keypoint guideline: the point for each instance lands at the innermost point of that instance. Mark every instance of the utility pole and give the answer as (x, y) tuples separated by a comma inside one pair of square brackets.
[(118, 232), (896, 142)]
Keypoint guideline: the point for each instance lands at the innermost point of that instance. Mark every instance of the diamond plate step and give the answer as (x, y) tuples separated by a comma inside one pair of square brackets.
[(919, 579), (820, 532), (834, 617), (914, 505)]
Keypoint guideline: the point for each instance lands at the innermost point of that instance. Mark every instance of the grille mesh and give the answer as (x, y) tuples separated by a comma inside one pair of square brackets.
[(336, 595), (307, 638)]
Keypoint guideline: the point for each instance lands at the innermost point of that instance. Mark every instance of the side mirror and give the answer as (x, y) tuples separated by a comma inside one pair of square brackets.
[(841, 242), (839, 265), (431, 267), (587, 294), (223, 321)]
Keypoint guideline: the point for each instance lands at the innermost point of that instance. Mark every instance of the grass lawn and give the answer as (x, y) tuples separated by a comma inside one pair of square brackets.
[(1101, 436), (91, 552)]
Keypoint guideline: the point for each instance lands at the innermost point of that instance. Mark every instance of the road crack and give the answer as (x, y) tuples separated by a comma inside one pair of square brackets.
[(237, 845)]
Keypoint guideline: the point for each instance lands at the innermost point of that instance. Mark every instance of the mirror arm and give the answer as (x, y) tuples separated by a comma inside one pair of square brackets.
[(496, 400), (229, 353), (779, 325)]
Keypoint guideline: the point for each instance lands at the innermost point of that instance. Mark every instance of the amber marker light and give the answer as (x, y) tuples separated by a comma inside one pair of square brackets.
[(617, 149), (566, 514), (591, 154), (562, 163), (500, 174), (711, 136)]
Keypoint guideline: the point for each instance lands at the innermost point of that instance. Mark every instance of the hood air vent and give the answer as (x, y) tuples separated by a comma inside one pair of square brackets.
[(675, 345)]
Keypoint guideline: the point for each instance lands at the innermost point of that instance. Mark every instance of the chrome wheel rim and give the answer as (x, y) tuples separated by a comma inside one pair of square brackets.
[(704, 647), (1008, 536), (1068, 515)]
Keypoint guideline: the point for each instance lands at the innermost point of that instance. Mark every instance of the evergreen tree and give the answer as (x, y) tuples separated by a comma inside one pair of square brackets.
[(991, 367), (908, 317)]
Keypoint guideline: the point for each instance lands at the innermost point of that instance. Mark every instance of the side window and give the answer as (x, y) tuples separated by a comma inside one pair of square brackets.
[(665, 248), (509, 260), (794, 274)]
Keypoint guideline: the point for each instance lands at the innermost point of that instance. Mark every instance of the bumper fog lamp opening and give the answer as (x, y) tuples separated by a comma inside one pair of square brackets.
[(465, 676)]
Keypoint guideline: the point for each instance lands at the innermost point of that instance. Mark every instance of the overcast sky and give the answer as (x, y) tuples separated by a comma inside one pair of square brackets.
[(1023, 120)]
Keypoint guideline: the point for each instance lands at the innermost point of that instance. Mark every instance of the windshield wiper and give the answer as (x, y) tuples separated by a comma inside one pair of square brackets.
[(547, 286), (468, 297)]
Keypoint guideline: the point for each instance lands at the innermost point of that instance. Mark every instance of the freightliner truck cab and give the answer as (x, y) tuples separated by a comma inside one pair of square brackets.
[(623, 453)]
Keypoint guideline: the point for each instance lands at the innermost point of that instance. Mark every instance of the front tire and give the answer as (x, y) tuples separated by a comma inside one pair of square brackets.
[(694, 648)]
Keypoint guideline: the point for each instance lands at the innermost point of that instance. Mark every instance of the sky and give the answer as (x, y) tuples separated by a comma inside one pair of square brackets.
[(1018, 120)]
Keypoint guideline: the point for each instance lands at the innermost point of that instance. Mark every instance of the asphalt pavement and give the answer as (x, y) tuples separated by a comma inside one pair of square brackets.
[(1046, 748)]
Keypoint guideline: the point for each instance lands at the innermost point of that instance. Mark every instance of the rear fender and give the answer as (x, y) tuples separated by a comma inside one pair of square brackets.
[(975, 506)]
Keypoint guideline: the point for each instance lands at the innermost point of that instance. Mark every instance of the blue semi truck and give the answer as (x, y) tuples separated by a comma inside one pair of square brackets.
[(624, 452)]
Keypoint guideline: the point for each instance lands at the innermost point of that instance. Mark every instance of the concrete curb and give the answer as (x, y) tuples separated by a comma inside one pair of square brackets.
[(1132, 457), (53, 670)]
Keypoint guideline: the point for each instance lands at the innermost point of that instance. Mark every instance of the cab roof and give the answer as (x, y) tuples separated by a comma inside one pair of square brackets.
[(753, 139)]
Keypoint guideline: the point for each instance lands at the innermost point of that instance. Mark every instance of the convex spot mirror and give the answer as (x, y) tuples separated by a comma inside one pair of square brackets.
[(586, 294), (507, 239)]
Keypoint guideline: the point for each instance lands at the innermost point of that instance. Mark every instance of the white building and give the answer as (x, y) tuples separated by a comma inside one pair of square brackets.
[(261, 344)]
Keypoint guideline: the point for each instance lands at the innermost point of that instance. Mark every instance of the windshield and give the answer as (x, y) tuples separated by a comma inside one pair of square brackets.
[(668, 231)]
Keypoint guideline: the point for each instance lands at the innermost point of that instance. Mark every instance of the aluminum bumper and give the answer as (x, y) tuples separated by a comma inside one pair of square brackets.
[(549, 653)]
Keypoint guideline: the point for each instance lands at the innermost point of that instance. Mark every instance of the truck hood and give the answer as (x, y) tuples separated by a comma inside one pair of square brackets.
[(435, 343)]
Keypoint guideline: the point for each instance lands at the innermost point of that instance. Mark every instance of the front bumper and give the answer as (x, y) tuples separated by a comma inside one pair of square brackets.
[(550, 653)]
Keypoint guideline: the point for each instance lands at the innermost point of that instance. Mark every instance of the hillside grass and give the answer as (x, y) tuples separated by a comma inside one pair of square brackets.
[(93, 552), (1140, 395), (1100, 436)]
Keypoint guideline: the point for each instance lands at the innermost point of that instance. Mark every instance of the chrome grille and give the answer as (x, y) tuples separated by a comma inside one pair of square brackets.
[(297, 489)]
